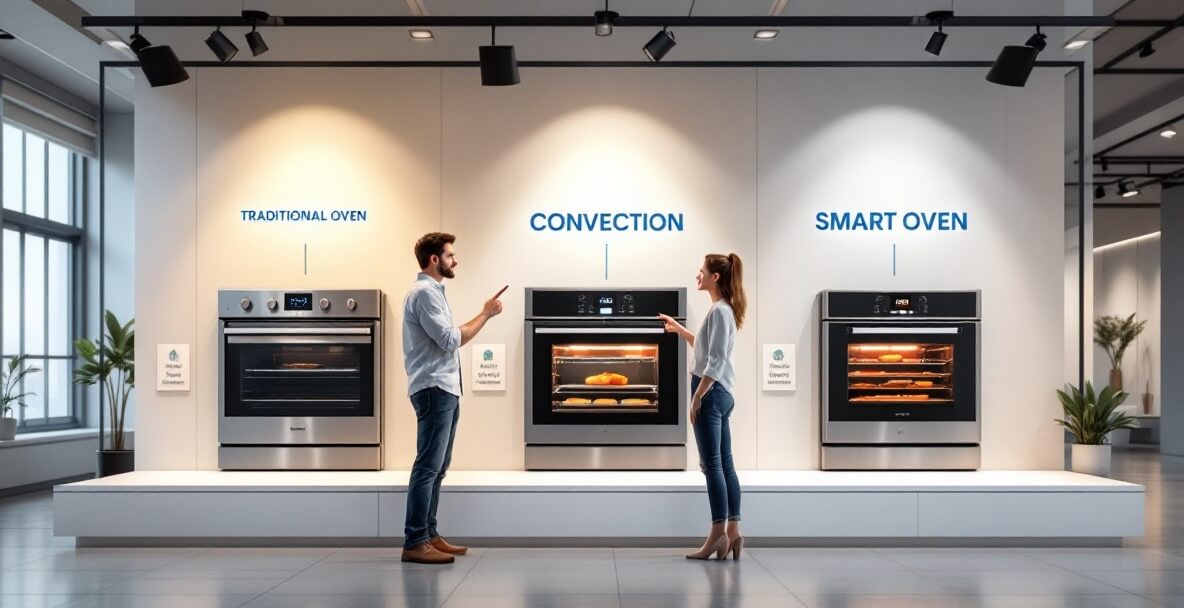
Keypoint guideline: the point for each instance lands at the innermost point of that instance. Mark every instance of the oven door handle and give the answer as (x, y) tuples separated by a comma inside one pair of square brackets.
[(599, 330), (905, 330), (298, 340), (297, 331)]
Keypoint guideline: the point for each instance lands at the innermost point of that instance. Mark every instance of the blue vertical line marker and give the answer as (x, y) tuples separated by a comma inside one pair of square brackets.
[(606, 261), (893, 259), (306, 258)]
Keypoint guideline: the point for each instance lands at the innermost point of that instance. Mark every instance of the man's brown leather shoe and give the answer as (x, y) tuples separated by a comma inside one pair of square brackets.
[(426, 554), (442, 545)]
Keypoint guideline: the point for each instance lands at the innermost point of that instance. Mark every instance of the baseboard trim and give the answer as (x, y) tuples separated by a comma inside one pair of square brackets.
[(42, 485)]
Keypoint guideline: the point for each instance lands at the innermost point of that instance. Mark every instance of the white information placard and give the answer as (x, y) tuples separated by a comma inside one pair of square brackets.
[(489, 367), (779, 368), (172, 367)]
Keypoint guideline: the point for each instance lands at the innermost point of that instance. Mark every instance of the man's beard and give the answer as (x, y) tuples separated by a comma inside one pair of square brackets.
[(445, 271)]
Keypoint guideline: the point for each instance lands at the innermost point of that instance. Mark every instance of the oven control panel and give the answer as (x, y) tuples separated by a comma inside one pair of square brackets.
[(900, 305), (299, 304), (594, 303)]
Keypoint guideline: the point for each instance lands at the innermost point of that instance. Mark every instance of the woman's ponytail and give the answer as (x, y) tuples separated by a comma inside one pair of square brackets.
[(731, 282)]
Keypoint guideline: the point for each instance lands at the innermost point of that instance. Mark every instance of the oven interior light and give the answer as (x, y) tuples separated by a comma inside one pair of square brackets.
[(887, 347)]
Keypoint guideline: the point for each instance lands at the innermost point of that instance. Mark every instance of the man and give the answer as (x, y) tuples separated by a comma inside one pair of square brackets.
[(431, 356)]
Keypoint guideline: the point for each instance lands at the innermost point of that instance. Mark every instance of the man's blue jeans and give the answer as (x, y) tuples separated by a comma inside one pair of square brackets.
[(436, 412)]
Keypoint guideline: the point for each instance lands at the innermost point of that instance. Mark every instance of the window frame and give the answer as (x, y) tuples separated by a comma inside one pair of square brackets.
[(73, 235)]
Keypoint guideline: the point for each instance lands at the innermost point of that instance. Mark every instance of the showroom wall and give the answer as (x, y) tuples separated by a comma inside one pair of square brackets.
[(1127, 280), (748, 156)]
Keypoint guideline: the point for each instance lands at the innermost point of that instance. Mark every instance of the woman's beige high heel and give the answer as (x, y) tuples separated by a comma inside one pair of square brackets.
[(720, 548), (736, 546)]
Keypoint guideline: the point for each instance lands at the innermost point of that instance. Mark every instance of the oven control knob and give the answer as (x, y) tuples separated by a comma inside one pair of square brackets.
[(245, 303), (324, 303), (351, 304), (272, 304)]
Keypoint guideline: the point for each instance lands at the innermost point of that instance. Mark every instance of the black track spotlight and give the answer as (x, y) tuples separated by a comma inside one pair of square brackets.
[(605, 20), (254, 39), (1146, 50), (138, 42), (938, 38), (1126, 191), (1013, 66), (222, 47), (1099, 191), (1038, 40), (659, 45), (159, 63), (499, 66)]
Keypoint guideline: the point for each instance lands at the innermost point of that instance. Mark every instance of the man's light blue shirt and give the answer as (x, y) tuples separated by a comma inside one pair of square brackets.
[(431, 344)]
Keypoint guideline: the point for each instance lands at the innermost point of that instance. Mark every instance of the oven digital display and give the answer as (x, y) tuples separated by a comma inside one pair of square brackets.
[(902, 303), (298, 301), (606, 305)]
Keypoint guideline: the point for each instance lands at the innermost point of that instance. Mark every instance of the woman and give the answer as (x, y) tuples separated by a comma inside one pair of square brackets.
[(712, 381)]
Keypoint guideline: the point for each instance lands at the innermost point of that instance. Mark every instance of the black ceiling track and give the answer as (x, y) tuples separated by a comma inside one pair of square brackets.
[(1163, 31), (622, 21)]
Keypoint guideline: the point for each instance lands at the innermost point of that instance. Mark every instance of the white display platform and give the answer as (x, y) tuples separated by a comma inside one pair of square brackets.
[(575, 508)]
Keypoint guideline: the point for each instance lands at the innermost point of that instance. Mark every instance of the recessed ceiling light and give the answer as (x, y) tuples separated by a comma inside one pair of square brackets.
[(1074, 45), (766, 34), (1168, 133), (421, 34), (118, 45)]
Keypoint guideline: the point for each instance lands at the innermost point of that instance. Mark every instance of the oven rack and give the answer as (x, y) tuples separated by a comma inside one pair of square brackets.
[(899, 374), (878, 363), (646, 389), (314, 370), (899, 388), (866, 400), (605, 360)]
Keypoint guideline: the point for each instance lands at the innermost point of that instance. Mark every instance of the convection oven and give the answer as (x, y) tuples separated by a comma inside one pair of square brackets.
[(300, 379), (900, 380), (605, 384)]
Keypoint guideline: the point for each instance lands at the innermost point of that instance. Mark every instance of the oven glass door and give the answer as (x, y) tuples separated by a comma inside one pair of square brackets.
[(299, 371), (884, 372), (617, 375)]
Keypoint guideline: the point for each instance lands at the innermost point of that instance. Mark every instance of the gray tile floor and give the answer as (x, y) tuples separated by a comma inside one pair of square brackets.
[(38, 570)]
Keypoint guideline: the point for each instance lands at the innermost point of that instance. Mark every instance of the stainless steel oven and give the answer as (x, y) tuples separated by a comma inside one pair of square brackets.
[(300, 379), (606, 386), (901, 380)]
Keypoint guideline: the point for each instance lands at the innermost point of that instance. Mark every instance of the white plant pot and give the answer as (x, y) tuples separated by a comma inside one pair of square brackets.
[(7, 429), (1091, 459)]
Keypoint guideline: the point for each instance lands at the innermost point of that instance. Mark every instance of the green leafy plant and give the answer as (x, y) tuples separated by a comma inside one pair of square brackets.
[(1091, 416), (1115, 334), (112, 363), (10, 382)]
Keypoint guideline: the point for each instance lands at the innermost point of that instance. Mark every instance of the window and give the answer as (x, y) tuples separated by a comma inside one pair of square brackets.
[(41, 189)]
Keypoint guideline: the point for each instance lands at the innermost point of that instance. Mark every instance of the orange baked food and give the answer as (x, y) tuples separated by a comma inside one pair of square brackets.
[(891, 358), (923, 384), (636, 402), (605, 402), (576, 401), (606, 379)]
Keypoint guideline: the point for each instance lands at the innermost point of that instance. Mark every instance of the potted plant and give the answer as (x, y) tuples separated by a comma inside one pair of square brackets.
[(10, 383), (112, 365), (1091, 417), (1114, 335)]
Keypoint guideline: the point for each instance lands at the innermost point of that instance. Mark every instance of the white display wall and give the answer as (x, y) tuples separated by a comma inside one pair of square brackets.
[(1127, 280), (748, 156)]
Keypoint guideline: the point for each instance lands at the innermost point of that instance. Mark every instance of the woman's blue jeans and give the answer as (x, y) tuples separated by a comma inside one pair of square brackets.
[(714, 438)]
